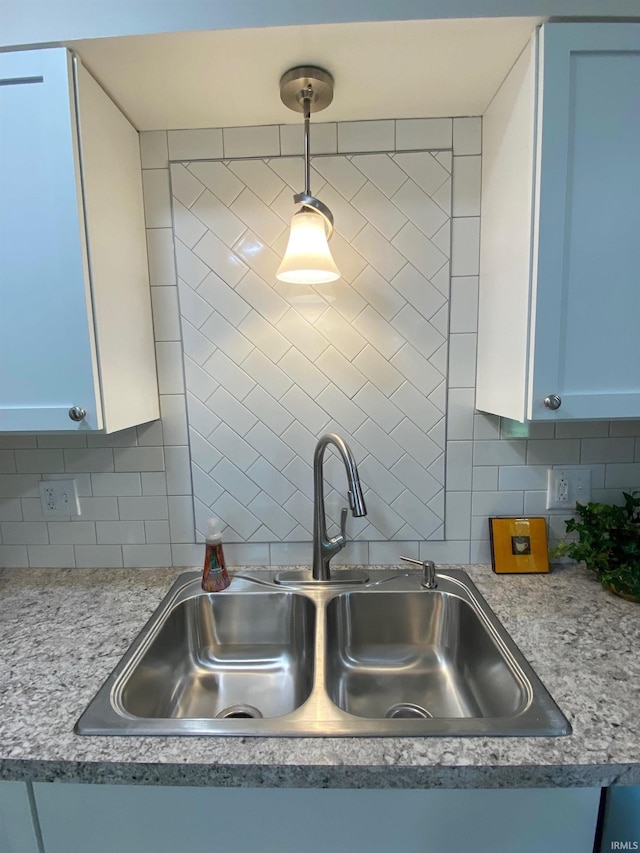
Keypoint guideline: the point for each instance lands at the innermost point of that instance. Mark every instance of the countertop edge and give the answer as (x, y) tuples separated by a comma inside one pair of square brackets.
[(321, 776)]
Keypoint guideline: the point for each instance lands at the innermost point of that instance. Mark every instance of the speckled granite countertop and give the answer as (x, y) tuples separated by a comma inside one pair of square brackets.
[(63, 631)]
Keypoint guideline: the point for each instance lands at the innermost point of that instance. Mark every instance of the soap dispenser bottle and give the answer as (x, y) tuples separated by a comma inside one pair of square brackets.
[(214, 576)]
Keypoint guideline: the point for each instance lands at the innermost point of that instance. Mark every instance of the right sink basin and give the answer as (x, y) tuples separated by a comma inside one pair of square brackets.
[(413, 655)]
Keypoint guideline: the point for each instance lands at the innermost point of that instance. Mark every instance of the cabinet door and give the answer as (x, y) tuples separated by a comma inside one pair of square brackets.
[(586, 346), (17, 830), (47, 348)]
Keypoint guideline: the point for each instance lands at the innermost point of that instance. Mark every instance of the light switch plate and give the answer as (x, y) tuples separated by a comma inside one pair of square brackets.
[(566, 486), (59, 498)]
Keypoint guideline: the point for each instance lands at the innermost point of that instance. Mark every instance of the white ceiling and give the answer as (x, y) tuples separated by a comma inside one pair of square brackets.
[(226, 78)]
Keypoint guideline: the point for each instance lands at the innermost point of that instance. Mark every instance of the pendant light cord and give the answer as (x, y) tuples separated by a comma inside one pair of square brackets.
[(307, 153)]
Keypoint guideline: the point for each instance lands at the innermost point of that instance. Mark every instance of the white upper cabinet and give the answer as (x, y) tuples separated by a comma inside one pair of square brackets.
[(76, 333), (559, 317)]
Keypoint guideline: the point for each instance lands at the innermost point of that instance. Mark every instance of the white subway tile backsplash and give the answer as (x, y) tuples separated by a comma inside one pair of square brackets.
[(11, 510), (115, 485), (123, 438), (421, 134), (526, 477), (607, 450), (7, 462), (181, 522), (62, 440), (99, 556), (419, 250), (467, 174), (465, 245), (13, 557), (467, 136), (324, 138), (154, 483), (99, 508), (458, 515), (460, 415), (451, 551), (170, 370), (72, 532), (497, 503), (143, 508), (157, 200), (622, 476), (97, 460), (153, 149), (261, 141), (146, 556), (187, 227), (535, 503), (185, 188), (464, 304), (161, 258), (279, 378), (563, 451), (178, 471), (621, 428), (24, 532), (191, 556), (486, 427), (342, 174), (459, 470), (462, 361), (499, 452), (366, 136), (119, 532), (12, 441), (480, 552), (138, 459), (381, 171), (51, 556), (424, 169), (200, 144), (379, 210), (150, 434), (174, 419), (581, 429), (157, 532), (42, 461), (485, 478)]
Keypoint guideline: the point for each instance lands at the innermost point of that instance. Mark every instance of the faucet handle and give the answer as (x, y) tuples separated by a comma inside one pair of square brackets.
[(343, 524)]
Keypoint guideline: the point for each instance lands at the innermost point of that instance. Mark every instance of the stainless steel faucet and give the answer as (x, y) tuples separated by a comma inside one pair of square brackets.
[(325, 548)]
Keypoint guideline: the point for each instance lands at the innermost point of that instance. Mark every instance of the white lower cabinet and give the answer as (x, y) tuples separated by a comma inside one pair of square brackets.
[(18, 833), (144, 819)]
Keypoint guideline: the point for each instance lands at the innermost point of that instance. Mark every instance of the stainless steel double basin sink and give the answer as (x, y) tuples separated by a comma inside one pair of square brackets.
[(385, 658)]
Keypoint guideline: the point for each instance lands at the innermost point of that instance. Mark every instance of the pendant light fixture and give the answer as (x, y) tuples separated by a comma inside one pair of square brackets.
[(308, 260)]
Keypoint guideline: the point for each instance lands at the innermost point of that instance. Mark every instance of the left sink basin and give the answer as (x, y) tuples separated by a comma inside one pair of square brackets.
[(207, 661)]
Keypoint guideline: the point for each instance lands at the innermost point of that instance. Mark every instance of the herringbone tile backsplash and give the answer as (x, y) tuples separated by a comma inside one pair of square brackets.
[(270, 367)]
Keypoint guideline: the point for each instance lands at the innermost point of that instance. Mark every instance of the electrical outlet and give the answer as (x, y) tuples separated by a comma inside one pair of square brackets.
[(565, 486), (59, 498)]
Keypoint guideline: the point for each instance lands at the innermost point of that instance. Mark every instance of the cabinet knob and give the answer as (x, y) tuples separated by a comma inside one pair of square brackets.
[(77, 413), (552, 402)]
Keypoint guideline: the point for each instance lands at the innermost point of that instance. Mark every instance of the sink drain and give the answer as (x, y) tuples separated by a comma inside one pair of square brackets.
[(407, 711), (239, 712)]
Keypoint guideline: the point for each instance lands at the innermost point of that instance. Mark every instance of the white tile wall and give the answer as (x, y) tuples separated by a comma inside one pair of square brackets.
[(504, 461)]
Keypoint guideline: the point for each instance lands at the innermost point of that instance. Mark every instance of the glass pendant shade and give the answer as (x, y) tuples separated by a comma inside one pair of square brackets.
[(307, 259)]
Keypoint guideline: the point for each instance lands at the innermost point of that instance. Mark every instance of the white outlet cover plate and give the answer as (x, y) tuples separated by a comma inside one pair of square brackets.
[(59, 498), (578, 480)]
